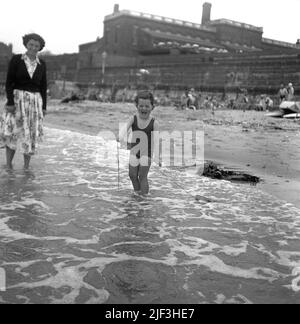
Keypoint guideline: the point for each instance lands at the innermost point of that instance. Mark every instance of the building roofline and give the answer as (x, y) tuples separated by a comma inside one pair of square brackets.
[(279, 43), (98, 40), (224, 21), (87, 44), (158, 18)]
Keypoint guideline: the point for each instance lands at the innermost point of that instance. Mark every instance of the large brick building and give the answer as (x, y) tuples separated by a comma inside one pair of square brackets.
[(130, 33), (133, 33), (213, 53), (5, 51)]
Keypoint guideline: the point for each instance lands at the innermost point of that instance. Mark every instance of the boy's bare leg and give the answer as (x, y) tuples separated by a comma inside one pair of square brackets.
[(143, 177), (134, 177), (27, 159), (9, 157)]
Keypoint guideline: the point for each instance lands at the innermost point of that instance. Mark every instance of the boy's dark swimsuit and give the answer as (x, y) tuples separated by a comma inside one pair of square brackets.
[(146, 149)]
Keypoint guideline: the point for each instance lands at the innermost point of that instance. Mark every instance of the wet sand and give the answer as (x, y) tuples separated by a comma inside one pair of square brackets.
[(245, 141), (69, 235)]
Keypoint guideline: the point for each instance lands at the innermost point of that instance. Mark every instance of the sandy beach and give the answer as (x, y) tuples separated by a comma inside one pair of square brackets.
[(246, 141), (73, 232)]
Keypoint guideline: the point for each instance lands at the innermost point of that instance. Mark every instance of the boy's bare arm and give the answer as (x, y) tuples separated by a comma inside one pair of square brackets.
[(123, 132)]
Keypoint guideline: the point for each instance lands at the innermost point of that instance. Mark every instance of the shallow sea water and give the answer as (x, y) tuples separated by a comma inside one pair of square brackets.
[(69, 235)]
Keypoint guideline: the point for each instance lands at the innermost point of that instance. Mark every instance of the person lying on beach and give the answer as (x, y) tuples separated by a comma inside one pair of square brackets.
[(141, 146)]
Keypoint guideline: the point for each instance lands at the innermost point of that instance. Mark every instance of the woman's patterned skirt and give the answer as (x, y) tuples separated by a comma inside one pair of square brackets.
[(23, 130)]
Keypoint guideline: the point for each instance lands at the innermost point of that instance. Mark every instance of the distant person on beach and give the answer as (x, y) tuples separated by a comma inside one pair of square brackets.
[(213, 105), (262, 103), (283, 93), (141, 147), (245, 100), (269, 103), (290, 92), (192, 98), (21, 125), (183, 101), (124, 95)]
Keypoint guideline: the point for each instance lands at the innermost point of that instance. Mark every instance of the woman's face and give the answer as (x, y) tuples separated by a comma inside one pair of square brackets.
[(144, 108), (33, 47)]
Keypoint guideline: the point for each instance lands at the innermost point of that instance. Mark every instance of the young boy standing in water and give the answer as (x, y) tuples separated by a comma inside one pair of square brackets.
[(141, 147)]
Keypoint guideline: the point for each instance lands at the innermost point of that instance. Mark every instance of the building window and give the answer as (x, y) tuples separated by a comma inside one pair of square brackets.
[(107, 32), (135, 36), (117, 30)]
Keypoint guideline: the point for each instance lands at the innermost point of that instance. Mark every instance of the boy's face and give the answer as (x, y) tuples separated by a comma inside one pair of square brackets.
[(144, 108)]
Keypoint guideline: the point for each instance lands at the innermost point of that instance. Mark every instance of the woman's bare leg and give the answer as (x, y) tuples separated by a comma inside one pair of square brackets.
[(9, 157)]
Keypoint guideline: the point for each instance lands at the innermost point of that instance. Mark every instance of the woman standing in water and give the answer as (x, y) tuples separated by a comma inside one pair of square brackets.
[(21, 125)]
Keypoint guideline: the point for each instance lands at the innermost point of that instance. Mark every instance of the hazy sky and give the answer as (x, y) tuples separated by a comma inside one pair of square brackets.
[(67, 23)]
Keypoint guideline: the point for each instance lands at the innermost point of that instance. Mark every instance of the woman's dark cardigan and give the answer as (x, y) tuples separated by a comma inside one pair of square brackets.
[(18, 78)]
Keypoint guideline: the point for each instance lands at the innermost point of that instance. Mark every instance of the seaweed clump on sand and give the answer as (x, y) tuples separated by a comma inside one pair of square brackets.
[(211, 170)]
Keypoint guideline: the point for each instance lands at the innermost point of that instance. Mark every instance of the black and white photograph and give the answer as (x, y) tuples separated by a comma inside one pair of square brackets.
[(150, 154)]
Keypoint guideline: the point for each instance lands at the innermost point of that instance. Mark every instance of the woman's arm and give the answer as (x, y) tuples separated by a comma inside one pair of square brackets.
[(43, 87), (11, 81)]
